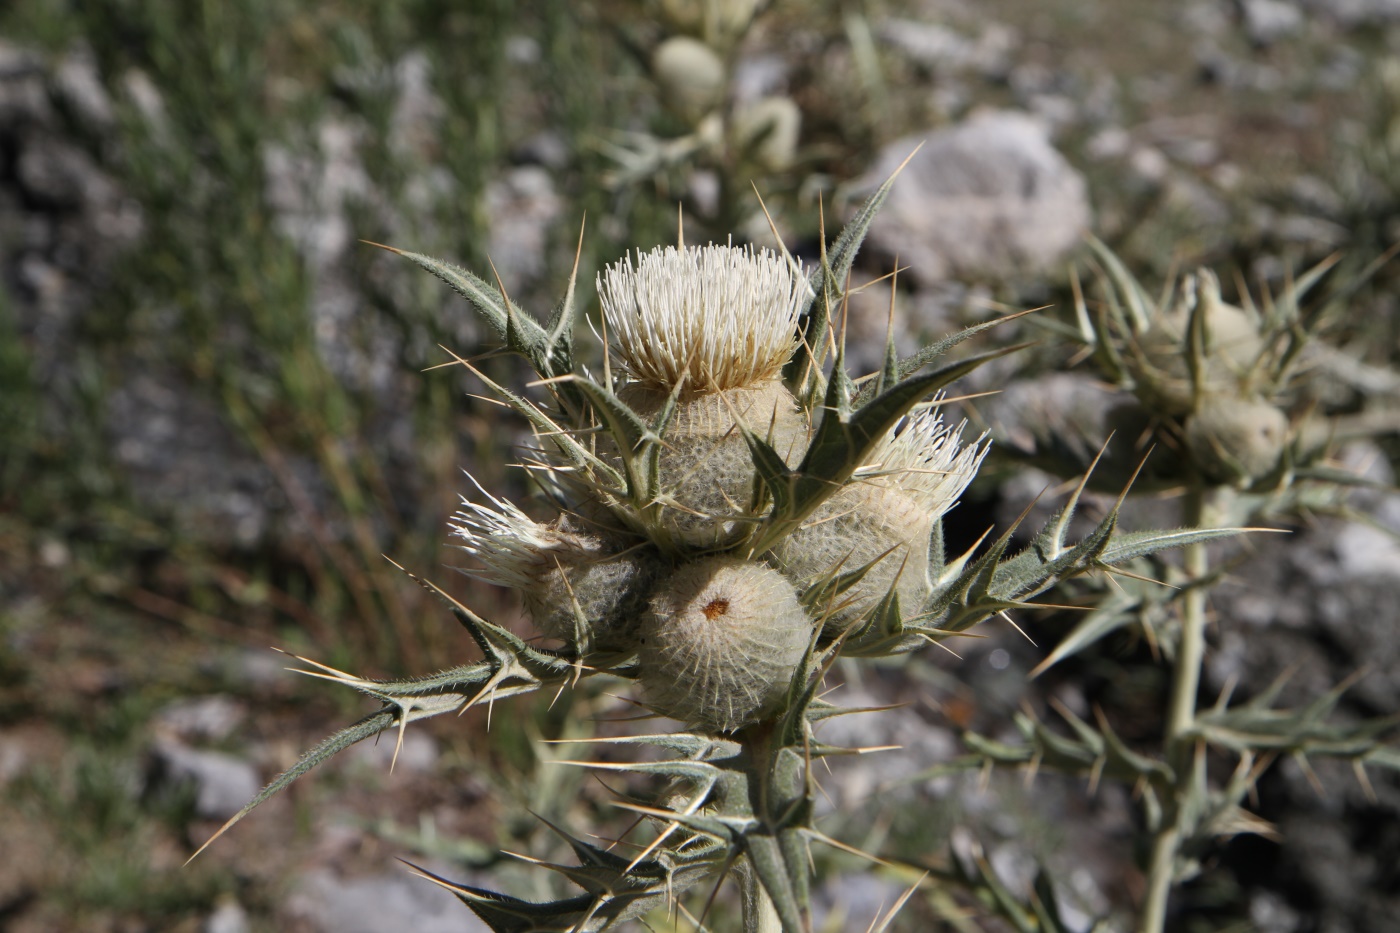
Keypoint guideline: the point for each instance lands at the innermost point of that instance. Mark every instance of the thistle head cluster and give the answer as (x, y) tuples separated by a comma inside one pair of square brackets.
[(1217, 376), (701, 563), (733, 514)]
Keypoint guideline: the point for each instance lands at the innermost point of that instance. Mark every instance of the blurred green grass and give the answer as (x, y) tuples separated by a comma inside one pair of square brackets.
[(218, 294)]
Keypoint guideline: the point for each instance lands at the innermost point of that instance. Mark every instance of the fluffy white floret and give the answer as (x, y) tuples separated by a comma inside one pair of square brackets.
[(510, 546), (724, 317), (925, 460)]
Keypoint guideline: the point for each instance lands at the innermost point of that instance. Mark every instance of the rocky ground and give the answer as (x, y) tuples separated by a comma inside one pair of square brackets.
[(213, 421)]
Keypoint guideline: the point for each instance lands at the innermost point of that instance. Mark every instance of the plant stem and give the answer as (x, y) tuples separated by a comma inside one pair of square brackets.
[(1181, 714), (760, 916)]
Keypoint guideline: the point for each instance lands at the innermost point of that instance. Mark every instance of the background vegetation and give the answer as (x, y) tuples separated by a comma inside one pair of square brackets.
[(214, 419)]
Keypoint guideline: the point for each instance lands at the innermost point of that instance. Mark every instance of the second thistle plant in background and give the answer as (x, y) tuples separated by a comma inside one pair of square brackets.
[(1226, 394), (734, 513)]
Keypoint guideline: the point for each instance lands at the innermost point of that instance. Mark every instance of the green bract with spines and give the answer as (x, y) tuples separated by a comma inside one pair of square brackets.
[(733, 515)]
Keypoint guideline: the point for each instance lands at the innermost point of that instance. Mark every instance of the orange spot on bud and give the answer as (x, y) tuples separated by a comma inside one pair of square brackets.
[(715, 608)]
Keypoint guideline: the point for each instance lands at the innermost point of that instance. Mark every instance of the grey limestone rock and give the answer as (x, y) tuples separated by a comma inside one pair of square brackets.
[(986, 198), (372, 904), (223, 783)]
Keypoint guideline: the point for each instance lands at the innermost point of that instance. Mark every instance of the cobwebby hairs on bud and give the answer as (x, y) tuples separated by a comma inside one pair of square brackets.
[(721, 642), (575, 586)]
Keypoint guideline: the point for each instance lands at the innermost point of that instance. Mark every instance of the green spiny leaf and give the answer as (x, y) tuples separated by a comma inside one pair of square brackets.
[(1137, 299), (628, 430), (770, 468), (522, 333), (1114, 612), (1133, 544), (910, 365), (803, 371), (373, 724), (770, 864)]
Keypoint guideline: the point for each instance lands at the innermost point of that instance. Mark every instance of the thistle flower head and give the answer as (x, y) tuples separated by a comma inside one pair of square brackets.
[(722, 317), (575, 586), (882, 520), (509, 544), (925, 460)]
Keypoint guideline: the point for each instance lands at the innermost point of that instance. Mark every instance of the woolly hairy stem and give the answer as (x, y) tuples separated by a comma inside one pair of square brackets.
[(760, 916), (1181, 713)]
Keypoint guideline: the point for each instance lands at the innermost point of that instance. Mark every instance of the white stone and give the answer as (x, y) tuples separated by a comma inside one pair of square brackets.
[(223, 783), (988, 198), (1267, 21), (372, 904)]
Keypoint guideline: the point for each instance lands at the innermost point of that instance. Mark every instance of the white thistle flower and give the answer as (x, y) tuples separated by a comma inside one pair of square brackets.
[(883, 518), (509, 544), (575, 586), (724, 317), (925, 460)]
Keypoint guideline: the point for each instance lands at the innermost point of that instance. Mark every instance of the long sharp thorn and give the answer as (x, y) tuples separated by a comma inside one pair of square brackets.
[(1003, 613), (1119, 571), (578, 255), (837, 844), (324, 667), (398, 745), (1122, 496), (505, 298), (939, 644), (1359, 768)]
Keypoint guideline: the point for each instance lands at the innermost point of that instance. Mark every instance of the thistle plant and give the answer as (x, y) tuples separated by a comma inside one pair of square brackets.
[(734, 512), (1223, 392), (690, 52)]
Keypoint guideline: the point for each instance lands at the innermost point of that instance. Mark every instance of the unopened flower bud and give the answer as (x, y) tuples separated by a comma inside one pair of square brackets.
[(721, 642), (766, 131), (718, 22), (1236, 440), (1232, 345), (690, 75), (883, 518)]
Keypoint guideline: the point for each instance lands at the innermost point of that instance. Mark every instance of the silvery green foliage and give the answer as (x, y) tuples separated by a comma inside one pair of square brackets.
[(744, 801), (1223, 391)]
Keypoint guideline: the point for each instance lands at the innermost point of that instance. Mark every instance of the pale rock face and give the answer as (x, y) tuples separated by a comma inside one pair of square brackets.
[(986, 198)]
